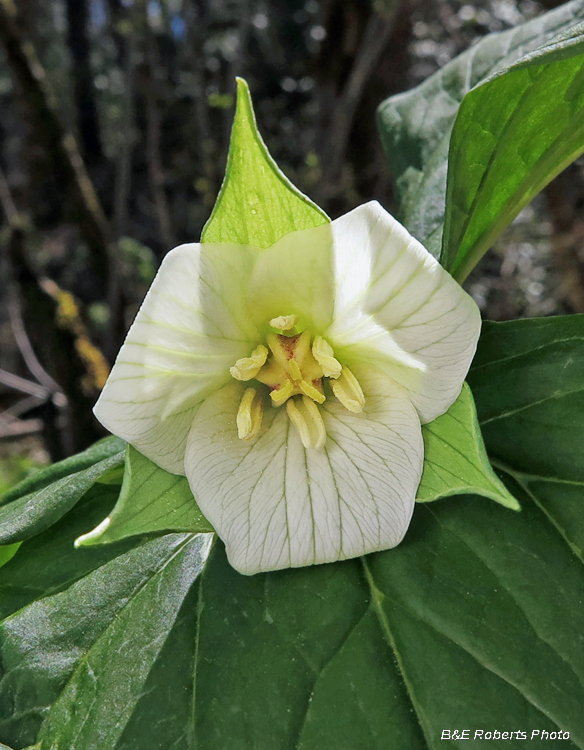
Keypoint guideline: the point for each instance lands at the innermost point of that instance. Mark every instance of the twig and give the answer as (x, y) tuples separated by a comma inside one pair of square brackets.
[(375, 38), (25, 347), (22, 406), (23, 385), (16, 223), (6, 201), (20, 428)]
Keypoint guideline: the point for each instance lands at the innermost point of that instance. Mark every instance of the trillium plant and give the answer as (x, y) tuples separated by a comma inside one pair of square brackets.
[(289, 383), (335, 510)]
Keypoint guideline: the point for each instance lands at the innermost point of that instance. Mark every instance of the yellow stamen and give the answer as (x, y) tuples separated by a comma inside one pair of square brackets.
[(295, 371), (280, 395), (305, 416), (284, 322), (309, 390), (347, 389), (249, 415), (323, 353), (247, 368)]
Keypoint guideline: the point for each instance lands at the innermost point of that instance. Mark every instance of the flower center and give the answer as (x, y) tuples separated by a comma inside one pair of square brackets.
[(294, 366)]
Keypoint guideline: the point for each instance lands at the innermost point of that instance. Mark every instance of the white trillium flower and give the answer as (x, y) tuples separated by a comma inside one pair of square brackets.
[(289, 384)]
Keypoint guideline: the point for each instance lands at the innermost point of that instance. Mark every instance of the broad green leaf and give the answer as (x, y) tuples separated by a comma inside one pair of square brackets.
[(513, 134), (100, 696), (48, 562), (42, 478), (475, 620), (63, 610), (455, 459), (151, 500), (415, 126), (36, 511), (257, 204), (535, 433), (7, 552)]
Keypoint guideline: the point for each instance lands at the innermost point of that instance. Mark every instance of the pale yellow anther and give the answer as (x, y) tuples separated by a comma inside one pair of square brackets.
[(284, 322), (247, 368), (280, 395), (309, 390), (347, 389), (295, 370), (323, 353), (249, 415), (305, 416)]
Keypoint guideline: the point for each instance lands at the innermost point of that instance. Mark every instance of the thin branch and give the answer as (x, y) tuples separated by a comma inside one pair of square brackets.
[(24, 386), (25, 347), (19, 428), (22, 406), (16, 223), (375, 39), (7, 202)]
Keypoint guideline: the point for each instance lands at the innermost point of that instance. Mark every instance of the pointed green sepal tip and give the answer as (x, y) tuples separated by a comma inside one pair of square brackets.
[(151, 501), (257, 203), (455, 457)]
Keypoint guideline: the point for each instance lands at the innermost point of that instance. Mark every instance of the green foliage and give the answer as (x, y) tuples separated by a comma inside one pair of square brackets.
[(7, 553), (455, 459), (151, 500), (101, 450), (513, 134), (257, 203), (415, 127), (464, 624), (475, 620), (38, 509), (13, 469), (527, 380)]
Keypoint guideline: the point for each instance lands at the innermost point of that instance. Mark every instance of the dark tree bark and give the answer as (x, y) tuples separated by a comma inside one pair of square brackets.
[(79, 47), (61, 144)]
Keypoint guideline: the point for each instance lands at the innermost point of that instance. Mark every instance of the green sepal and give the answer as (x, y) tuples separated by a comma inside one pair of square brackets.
[(455, 458), (257, 203), (151, 501)]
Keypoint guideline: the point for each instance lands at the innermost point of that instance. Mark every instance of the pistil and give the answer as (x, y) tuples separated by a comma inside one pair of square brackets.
[(293, 367)]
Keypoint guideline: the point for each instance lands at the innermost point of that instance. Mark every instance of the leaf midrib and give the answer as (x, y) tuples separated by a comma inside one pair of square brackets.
[(385, 627), (376, 600), (84, 658)]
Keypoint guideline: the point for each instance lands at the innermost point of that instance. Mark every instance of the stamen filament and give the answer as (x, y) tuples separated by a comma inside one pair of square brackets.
[(305, 416), (347, 389), (309, 390)]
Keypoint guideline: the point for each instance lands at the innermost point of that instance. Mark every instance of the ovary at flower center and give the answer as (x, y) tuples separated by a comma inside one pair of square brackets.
[(292, 370), (294, 367)]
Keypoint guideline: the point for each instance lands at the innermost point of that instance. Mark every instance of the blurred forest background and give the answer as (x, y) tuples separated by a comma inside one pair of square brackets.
[(114, 125)]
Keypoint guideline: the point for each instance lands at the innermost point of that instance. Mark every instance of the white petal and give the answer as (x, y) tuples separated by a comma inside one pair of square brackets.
[(192, 326), (401, 308), (276, 504), (295, 277)]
